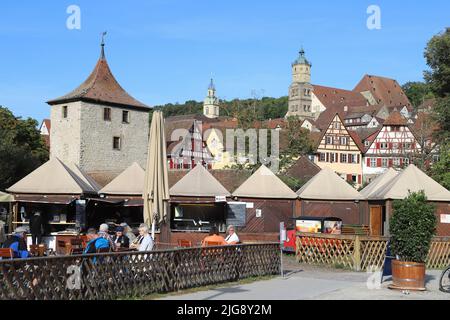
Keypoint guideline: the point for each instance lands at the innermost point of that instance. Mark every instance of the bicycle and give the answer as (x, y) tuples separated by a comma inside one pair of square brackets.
[(444, 282)]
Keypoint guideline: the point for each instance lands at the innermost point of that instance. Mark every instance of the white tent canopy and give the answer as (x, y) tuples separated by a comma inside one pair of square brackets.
[(129, 182), (378, 182), (411, 179), (264, 184), (198, 183), (4, 197), (54, 177), (327, 185)]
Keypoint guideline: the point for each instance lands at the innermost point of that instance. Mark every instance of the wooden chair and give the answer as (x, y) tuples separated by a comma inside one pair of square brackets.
[(76, 246), (6, 253), (212, 243), (184, 243)]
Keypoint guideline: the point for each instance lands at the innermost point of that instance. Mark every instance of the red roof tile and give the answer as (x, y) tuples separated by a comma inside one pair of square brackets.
[(395, 119), (386, 91)]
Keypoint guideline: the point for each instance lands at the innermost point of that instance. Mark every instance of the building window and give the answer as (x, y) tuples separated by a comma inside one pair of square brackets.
[(396, 161), (322, 157), (367, 143), (328, 140), (125, 116), (64, 112), (207, 110), (337, 125), (384, 145), (117, 143), (384, 163), (107, 114), (344, 141), (373, 162), (406, 161), (343, 158)]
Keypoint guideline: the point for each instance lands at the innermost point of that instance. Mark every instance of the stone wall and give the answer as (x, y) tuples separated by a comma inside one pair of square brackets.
[(86, 139)]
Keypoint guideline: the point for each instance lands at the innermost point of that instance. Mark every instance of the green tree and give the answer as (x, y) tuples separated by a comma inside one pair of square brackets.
[(417, 92), (437, 54), (439, 171), (22, 148), (412, 227)]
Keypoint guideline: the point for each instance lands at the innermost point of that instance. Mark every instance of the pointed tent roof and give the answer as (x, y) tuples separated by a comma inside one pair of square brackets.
[(129, 182), (264, 184), (4, 197), (379, 182), (411, 179), (327, 185), (101, 87), (198, 183), (54, 177)]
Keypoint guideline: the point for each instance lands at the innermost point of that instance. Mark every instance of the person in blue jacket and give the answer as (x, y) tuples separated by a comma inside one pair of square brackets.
[(18, 243)]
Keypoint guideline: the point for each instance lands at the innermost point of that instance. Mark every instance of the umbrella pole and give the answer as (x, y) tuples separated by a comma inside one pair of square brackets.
[(153, 229)]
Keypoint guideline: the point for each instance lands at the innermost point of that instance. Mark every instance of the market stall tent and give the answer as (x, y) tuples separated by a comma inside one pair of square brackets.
[(411, 179), (269, 202), (328, 195), (129, 183), (55, 178), (378, 182), (4, 197)]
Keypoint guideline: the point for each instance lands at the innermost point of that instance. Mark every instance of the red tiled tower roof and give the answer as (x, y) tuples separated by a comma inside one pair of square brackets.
[(101, 87)]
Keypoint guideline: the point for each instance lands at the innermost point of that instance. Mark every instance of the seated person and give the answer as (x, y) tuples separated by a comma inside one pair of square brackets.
[(144, 242), (120, 239), (232, 237), (102, 241), (128, 232), (214, 237), (18, 243)]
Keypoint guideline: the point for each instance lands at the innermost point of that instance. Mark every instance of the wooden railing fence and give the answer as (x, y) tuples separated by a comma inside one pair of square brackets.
[(360, 252), (117, 275)]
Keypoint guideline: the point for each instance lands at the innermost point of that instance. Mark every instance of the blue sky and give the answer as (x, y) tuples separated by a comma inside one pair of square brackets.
[(166, 50)]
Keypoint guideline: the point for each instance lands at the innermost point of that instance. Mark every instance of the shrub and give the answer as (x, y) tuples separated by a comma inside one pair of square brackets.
[(412, 227)]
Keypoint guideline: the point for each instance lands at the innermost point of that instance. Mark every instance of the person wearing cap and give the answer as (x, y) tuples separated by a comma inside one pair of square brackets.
[(18, 243), (128, 232), (120, 239)]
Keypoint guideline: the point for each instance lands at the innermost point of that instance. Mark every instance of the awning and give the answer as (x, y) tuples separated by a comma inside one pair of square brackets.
[(133, 203), (46, 199), (107, 201)]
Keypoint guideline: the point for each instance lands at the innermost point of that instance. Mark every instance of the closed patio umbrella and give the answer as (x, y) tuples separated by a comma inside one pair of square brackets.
[(156, 184)]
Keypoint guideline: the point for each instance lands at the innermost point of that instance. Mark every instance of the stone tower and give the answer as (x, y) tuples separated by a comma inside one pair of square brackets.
[(300, 91), (99, 126), (211, 103)]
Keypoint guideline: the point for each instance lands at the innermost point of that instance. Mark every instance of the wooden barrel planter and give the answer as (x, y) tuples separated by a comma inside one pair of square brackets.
[(408, 275)]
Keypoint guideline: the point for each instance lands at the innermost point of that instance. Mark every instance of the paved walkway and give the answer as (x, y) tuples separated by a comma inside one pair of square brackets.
[(316, 283)]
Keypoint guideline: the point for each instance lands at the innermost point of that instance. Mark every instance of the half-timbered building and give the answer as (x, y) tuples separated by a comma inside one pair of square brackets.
[(393, 146), (340, 150)]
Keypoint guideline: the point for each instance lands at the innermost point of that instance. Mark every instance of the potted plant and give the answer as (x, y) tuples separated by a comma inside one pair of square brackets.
[(412, 227)]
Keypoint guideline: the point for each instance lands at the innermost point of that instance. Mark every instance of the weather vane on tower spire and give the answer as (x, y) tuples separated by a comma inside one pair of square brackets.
[(103, 44)]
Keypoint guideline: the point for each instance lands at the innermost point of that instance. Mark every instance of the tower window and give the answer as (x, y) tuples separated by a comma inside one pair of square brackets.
[(117, 143), (125, 116), (107, 114), (64, 112)]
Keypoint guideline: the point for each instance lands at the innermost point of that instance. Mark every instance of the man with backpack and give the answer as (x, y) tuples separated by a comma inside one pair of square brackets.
[(103, 241)]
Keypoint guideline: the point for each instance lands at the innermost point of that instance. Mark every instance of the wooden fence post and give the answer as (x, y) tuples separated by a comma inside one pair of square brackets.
[(357, 254)]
